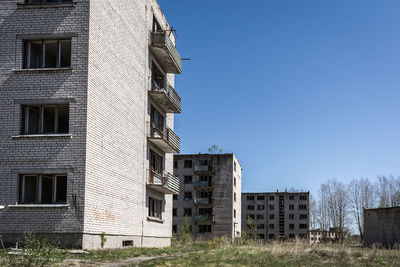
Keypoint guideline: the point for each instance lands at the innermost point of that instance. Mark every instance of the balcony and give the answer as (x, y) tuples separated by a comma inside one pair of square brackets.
[(165, 52), (164, 182), (203, 169), (203, 184), (166, 98), (164, 138), (204, 218), (203, 201)]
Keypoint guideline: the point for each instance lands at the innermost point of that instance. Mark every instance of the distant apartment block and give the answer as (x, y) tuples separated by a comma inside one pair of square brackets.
[(87, 106), (210, 195), (382, 226), (276, 215)]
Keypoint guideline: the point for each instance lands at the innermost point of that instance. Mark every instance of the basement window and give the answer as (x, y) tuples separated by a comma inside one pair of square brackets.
[(155, 208), (43, 189), (41, 54), (205, 228), (127, 243), (45, 119)]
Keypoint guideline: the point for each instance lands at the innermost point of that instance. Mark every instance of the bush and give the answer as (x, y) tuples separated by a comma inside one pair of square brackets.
[(218, 242), (184, 235)]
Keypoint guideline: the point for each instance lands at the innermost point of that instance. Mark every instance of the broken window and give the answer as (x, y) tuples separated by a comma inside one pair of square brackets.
[(187, 195), (260, 197), (174, 212), (45, 119), (155, 208), (43, 189), (157, 120), (188, 179), (39, 54), (187, 212), (156, 162), (158, 78), (205, 228), (250, 197), (187, 164)]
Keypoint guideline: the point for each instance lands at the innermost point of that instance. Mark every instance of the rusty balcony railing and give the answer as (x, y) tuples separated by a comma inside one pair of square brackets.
[(204, 218), (203, 169), (167, 98), (163, 137), (165, 52), (163, 182)]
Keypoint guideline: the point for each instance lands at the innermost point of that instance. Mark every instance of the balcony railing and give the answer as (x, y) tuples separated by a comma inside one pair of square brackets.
[(164, 138), (165, 51), (203, 184), (167, 98), (164, 182), (203, 169), (203, 201), (204, 218)]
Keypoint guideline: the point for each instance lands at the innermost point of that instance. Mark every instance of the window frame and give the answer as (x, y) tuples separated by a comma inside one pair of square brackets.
[(39, 188), (26, 63), (155, 211), (24, 128)]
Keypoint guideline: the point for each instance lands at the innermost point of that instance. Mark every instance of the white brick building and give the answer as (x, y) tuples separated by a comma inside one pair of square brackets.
[(87, 111)]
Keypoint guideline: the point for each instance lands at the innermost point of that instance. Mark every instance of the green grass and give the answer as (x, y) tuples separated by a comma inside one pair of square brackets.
[(281, 254)]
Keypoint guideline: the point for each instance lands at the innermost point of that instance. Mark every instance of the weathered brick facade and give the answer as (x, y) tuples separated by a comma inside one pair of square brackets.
[(105, 155), (224, 200)]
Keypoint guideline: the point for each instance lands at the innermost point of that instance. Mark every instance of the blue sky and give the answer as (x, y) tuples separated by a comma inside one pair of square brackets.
[(301, 91)]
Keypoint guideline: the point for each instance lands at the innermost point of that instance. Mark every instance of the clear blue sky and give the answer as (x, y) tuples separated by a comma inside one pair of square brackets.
[(300, 91)]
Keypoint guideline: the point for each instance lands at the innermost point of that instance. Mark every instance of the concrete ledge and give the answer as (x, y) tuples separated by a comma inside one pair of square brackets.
[(43, 70), (41, 135), (154, 219), (42, 206)]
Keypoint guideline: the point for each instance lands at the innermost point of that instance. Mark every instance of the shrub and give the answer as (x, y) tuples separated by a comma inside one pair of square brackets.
[(103, 239), (184, 235)]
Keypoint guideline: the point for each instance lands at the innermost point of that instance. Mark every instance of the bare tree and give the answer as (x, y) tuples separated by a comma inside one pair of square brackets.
[(362, 195), (323, 218), (214, 149), (313, 213), (388, 191)]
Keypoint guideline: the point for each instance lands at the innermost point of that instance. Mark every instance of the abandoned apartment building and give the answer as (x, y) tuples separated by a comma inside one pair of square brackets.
[(87, 114), (382, 227), (333, 235), (276, 215), (209, 197)]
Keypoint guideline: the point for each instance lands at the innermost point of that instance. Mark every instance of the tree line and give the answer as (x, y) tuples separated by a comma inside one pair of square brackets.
[(341, 205)]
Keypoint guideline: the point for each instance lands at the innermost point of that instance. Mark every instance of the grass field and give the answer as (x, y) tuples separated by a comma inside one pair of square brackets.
[(218, 254)]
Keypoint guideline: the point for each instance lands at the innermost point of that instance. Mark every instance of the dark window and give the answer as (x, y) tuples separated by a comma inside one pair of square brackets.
[(303, 197), (291, 197), (250, 197), (205, 211), (291, 226), (303, 216), (234, 181), (260, 198), (251, 216), (271, 197), (260, 207), (205, 228), (127, 243), (271, 236), (187, 195), (260, 216), (271, 216), (291, 216), (234, 197), (45, 119), (234, 166), (156, 25), (188, 179), (174, 212), (155, 208), (271, 226), (303, 226), (204, 194), (187, 164), (33, 2), (156, 162), (158, 78), (204, 162), (260, 226), (39, 54), (250, 207), (234, 213), (157, 121), (175, 164), (187, 212), (291, 207), (302, 207), (43, 189), (271, 207), (175, 197), (174, 228)]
